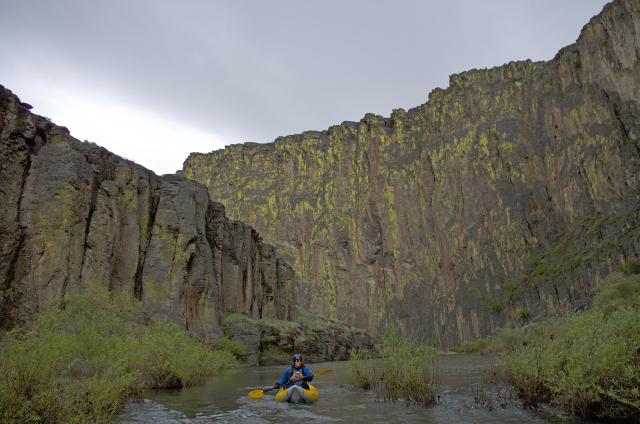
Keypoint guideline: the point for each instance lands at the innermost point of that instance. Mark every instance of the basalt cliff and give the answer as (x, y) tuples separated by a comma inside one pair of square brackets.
[(504, 198), (73, 215)]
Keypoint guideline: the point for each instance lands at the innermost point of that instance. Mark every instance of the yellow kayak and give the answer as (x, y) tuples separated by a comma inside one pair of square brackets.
[(297, 394)]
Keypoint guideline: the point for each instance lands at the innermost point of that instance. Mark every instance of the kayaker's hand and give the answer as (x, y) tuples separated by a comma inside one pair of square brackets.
[(276, 386)]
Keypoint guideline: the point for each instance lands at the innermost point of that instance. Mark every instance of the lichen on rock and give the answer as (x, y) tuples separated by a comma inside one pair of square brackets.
[(428, 220), (75, 215)]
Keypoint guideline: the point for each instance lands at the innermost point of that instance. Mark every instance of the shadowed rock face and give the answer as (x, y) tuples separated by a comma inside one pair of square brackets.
[(502, 199), (73, 214)]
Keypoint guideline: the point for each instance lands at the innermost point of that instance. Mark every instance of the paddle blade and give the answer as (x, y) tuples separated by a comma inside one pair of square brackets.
[(256, 394), (323, 372)]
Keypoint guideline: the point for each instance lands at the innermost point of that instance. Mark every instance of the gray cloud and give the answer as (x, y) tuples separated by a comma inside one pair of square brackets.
[(253, 70)]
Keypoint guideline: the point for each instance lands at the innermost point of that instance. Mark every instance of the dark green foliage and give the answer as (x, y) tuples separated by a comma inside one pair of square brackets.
[(632, 266), (274, 355), (476, 346), (359, 368), (589, 363), (619, 291), (406, 370), (505, 340), (523, 316), (79, 364), (494, 305), (235, 347), (591, 238), (510, 291)]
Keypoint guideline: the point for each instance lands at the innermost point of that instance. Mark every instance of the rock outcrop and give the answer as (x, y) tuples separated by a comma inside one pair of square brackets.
[(73, 214), (503, 198), (271, 342)]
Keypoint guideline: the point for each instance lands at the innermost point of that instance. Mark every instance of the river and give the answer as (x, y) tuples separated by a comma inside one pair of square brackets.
[(467, 394)]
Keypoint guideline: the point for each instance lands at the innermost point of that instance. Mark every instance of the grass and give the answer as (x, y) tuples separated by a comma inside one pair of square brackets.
[(79, 363), (588, 364), (318, 323), (273, 355), (405, 371), (235, 318), (361, 368), (630, 267), (235, 347), (504, 341)]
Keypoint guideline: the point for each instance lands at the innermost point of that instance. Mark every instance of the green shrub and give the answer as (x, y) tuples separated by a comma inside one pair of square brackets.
[(618, 291), (359, 368), (632, 266), (79, 364), (589, 364), (504, 341), (406, 370), (234, 318), (233, 346), (273, 355), (476, 346)]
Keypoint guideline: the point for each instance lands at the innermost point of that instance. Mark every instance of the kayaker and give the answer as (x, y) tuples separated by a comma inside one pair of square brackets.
[(296, 371)]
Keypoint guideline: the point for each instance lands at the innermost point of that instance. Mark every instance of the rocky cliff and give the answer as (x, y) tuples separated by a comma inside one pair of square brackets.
[(501, 199), (73, 214)]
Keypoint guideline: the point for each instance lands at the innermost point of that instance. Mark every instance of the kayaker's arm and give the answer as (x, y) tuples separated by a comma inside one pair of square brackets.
[(308, 375), (286, 375)]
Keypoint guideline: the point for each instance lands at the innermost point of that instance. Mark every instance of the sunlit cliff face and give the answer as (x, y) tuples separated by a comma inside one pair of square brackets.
[(253, 71), (479, 209)]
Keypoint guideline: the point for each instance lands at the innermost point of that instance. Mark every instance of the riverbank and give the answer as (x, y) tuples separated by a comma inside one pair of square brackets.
[(588, 363), (80, 363)]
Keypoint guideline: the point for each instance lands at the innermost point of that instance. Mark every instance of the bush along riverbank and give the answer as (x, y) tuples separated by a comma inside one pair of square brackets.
[(405, 371), (80, 362), (588, 363)]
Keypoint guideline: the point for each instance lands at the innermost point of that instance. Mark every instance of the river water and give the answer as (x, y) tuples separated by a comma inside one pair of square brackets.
[(467, 394)]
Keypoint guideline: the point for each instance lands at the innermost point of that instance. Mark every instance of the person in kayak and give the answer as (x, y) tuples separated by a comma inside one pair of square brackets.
[(297, 371)]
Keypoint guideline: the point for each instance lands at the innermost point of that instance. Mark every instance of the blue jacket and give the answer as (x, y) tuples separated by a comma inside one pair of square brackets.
[(286, 376)]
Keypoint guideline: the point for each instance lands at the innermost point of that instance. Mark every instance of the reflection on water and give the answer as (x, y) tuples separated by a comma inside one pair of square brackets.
[(465, 389)]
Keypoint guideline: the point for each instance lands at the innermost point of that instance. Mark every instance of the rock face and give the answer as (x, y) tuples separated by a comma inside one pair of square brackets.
[(73, 214), (501, 199), (270, 342)]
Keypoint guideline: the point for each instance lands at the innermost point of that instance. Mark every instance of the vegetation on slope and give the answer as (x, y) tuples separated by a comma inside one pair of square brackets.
[(587, 363), (505, 340), (79, 363)]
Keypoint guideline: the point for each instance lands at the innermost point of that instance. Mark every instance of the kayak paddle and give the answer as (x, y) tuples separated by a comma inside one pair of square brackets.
[(257, 394)]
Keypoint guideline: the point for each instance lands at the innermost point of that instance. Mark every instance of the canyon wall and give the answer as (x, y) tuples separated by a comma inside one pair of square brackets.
[(504, 198), (73, 214)]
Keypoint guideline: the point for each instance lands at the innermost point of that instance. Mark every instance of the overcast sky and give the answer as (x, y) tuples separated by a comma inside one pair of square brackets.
[(153, 80)]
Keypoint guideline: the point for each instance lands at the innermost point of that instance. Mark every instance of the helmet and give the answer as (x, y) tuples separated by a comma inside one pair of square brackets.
[(295, 357)]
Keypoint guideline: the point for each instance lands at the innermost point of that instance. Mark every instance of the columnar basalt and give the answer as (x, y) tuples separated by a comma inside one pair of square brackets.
[(73, 214), (501, 199)]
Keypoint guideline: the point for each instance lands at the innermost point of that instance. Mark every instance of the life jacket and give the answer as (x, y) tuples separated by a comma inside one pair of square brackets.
[(297, 374)]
